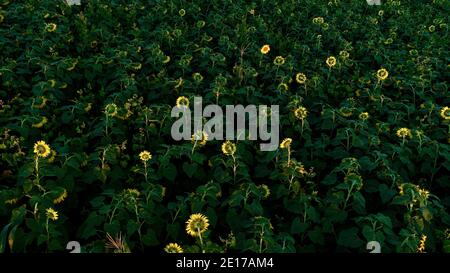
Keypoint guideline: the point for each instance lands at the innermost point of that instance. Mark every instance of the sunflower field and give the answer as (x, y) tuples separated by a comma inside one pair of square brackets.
[(86, 93)]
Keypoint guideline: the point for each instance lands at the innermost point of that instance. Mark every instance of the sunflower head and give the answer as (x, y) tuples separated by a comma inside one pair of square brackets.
[(265, 190), (173, 248), (197, 224), (301, 113), (182, 12), (382, 74), (278, 61), (201, 137), (111, 109), (51, 27), (60, 198), (445, 113), (182, 101), (52, 214), (331, 61), (300, 78), (145, 156), (197, 77), (41, 149), (364, 116), (344, 54), (265, 49), (283, 87), (286, 143), (404, 132), (228, 148)]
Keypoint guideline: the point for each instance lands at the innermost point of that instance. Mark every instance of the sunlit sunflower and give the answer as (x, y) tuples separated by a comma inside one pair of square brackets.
[(301, 112), (286, 143), (51, 27), (404, 132), (201, 137), (145, 156), (364, 116), (278, 60), (52, 214), (228, 148), (331, 61), (173, 248), (60, 198), (182, 101), (344, 54), (300, 78), (382, 74), (41, 149), (421, 247), (445, 113), (40, 123), (265, 49), (197, 224), (283, 87)]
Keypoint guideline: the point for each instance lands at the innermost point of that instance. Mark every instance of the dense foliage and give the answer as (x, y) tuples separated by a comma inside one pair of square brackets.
[(87, 155)]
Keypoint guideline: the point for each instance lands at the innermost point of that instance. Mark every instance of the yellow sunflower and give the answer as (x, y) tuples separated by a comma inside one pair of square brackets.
[(300, 78), (301, 112), (40, 123), (382, 74), (201, 137), (111, 109), (182, 101), (286, 143), (421, 247), (52, 214), (173, 248), (197, 224), (51, 27), (331, 61), (145, 156), (228, 148), (445, 113), (404, 132), (278, 60), (41, 149), (364, 116), (61, 197), (265, 49)]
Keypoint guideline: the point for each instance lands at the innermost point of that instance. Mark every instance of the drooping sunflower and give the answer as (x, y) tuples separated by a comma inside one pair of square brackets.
[(421, 247), (51, 27), (201, 137), (382, 74), (404, 132), (364, 116), (52, 214), (182, 101), (331, 61), (197, 224), (301, 113), (279, 60), (173, 248), (265, 49), (60, 198), (40, 123), (145, 156), (286, 143), (41, 149), (228, 148), (445, 113)]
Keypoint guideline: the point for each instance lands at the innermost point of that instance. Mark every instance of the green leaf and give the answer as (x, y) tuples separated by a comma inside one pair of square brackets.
[(298, 227), (150, 239), (189, 168), (349, 238)]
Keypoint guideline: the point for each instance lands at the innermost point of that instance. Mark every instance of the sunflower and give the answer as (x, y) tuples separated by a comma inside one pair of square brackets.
[(404, 132), (331, 61), (145, 156), (179, 83), (344, 54), (301, 113), (60, 198), (283, 87), (173, 248), (286, 143), (345, 111), (50, 27), (111, 109), (43, 101), (201, 137), (166, 60), (41, 149), (265, 190), (228, 148), (52, 214), (382, 74), (318, 20), (197, 224), (431, 28), (300, 78), (182, 101), (40, 123), (182, 12), (265, 49), (445, 113), (364, 116), (197, 77), (422, 241), (278, 60)]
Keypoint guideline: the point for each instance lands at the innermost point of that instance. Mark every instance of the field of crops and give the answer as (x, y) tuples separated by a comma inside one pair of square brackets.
[(87, 155)]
